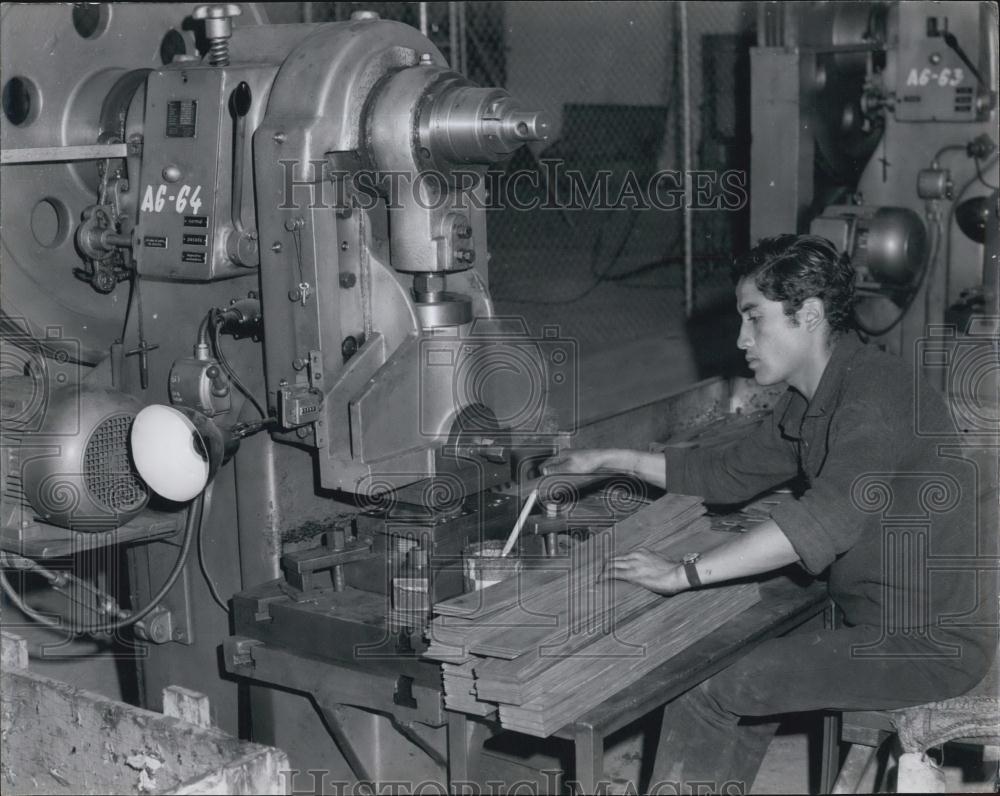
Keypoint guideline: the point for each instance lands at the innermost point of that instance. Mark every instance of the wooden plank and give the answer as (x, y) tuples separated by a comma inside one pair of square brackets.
[(572, 688), (536, 617), (582, 602), (507, 593), (605, 635)]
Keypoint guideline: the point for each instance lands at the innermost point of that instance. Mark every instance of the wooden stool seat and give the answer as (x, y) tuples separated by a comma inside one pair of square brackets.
[(971, 718)]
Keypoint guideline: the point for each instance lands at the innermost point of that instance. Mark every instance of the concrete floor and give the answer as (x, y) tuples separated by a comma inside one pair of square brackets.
[(786, 767)]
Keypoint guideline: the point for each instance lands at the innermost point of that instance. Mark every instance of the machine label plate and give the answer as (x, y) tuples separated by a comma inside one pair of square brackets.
[(195, 221), (195, 240), (193, 257), (154, 242), (182, 118)]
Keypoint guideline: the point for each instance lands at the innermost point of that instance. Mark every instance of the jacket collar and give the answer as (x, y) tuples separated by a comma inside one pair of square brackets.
[(827, 391)]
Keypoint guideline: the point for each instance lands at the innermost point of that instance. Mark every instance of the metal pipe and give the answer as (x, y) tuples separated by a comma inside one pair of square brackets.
[(686, 131), (453, 54), (463, 60), (423, 18), (55, 154)]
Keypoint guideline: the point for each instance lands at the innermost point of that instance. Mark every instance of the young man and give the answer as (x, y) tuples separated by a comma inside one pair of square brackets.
[(883, 499)]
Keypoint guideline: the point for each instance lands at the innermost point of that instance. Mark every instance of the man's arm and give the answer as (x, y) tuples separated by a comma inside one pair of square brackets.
[(761, 549), (729, 473), (642, 464)]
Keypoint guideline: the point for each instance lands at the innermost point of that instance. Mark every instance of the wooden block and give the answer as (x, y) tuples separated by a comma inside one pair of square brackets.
[(13, 651), (187, 705)]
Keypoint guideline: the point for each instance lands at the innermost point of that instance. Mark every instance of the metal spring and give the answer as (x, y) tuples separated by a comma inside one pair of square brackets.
[(218, 52)]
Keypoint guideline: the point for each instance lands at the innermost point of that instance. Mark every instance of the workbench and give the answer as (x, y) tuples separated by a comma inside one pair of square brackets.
[(786, 602)]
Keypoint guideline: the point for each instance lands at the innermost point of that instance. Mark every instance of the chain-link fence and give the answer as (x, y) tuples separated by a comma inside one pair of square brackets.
[(588, 232)]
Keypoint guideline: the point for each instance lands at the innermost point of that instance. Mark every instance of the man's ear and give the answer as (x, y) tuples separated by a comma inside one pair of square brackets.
[(812, 313)]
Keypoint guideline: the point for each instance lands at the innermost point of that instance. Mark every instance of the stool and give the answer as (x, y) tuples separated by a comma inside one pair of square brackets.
[(971, 718)]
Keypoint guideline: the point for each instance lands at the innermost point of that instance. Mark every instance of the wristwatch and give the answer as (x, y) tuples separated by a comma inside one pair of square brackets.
[(689, 560)]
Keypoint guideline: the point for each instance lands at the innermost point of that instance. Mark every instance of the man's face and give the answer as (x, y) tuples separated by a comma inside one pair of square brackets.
[(776, 349)]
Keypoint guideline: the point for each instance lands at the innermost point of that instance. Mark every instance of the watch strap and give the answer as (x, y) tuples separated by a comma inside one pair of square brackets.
[(691, 571)]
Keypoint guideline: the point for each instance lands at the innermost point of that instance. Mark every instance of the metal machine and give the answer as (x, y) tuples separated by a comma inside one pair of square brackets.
[(874, 125), (268, 243)]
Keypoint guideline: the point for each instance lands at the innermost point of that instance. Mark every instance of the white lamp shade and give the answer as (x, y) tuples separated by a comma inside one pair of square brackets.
[(169, 453)]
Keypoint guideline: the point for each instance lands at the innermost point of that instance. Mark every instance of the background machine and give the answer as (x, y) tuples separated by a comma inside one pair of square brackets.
[(252, 372), (874, 125), (273, 238)]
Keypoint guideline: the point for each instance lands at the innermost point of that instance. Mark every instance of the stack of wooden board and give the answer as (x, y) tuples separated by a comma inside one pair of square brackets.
[(556, 641)]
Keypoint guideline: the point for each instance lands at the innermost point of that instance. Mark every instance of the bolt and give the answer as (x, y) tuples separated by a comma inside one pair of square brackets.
[(294, 295), (344, 245), (302, 432), (426, 59), (348, 280), (463, 231), (292, 224), (298, 363), (280, 138), (465, 256), (276, 246)]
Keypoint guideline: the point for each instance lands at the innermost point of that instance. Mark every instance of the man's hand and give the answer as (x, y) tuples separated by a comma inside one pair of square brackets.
[(575, 462), (646, 569)]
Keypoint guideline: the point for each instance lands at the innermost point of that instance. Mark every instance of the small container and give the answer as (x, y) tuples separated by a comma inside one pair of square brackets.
[(411, 594), (483, 565)]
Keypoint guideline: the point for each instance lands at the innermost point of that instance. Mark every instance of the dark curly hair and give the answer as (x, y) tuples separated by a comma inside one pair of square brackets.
[(793, 268)]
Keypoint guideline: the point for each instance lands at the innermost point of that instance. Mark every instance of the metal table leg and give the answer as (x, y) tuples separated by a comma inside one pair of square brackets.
[(589, 753), (458, 751), (830, 750), (465, 746)]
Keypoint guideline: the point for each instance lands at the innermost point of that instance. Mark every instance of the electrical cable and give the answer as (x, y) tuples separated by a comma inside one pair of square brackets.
[(128, 303), (214, 325), (212, 588), (191, 525), (979, 174), (947, 148)]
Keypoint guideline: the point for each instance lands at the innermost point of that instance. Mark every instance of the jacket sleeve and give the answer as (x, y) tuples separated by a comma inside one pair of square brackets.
[(738, 471), (829, 516)]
